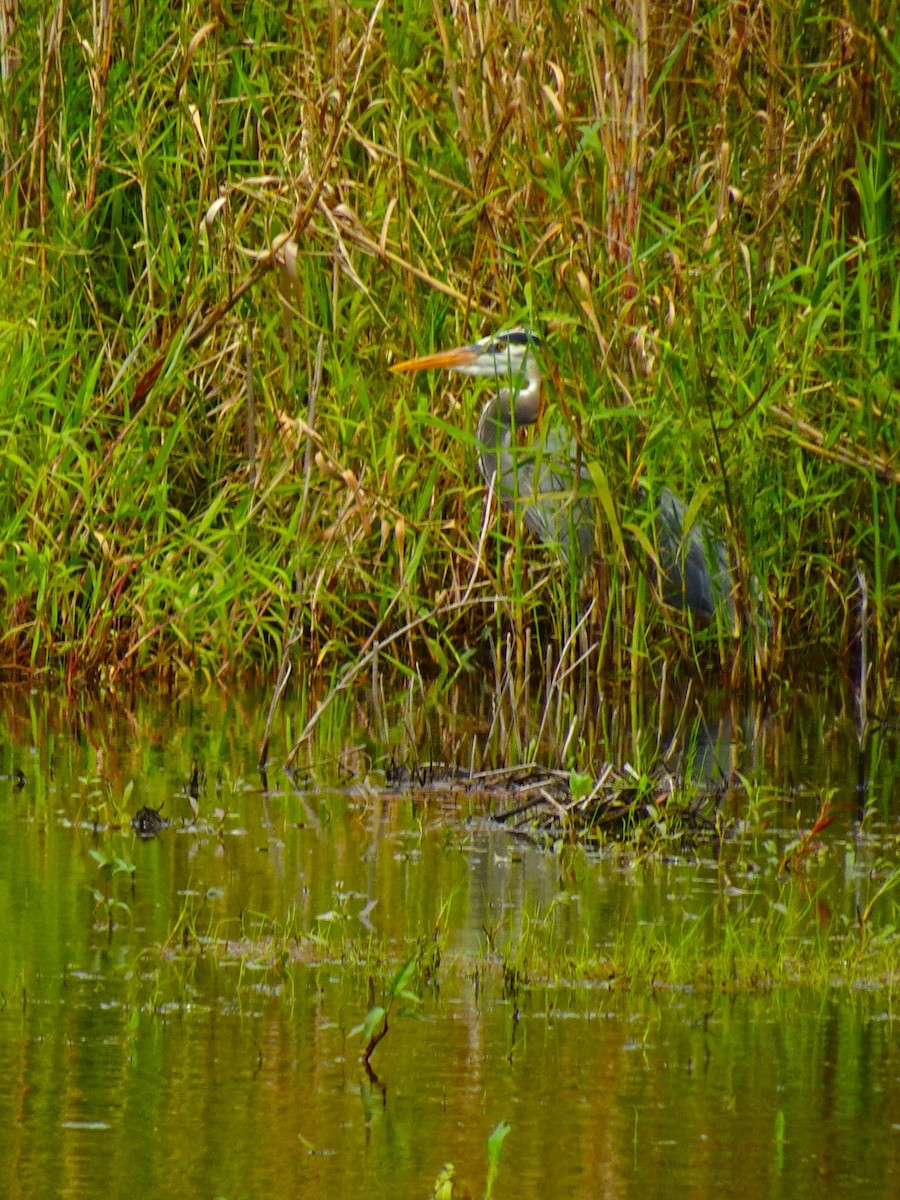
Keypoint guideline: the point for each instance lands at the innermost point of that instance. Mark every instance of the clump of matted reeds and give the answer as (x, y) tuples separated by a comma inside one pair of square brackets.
[(621, 803)]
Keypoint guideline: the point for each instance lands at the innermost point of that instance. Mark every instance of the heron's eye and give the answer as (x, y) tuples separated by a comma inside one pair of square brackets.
[(499, 347)]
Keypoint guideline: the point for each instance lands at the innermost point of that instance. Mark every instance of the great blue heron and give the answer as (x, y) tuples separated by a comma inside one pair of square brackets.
[(553, 488)]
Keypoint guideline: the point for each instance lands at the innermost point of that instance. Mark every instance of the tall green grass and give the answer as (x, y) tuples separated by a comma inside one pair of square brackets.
[(696, 211)]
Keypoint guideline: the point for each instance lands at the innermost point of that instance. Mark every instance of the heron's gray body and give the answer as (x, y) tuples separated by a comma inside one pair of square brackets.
[(696, 572), (553, 490)]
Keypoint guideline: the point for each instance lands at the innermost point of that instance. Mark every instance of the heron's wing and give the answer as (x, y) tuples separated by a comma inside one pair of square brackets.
[(550, 488), (561, 514), (696, 571)]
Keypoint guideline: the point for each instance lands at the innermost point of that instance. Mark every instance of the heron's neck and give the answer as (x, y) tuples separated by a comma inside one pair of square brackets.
[(512, 407)]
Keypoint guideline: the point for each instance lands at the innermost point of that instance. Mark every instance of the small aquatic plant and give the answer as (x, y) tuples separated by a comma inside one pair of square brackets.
[(376, 1024)]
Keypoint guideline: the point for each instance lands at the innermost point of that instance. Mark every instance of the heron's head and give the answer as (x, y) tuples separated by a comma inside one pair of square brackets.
[(508, 355)]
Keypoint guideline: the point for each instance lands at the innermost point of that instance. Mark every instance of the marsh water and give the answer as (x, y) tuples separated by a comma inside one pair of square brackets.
[(178, 1013)]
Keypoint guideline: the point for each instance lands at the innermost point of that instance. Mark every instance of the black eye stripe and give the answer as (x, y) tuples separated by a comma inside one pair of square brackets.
[(515, 337)]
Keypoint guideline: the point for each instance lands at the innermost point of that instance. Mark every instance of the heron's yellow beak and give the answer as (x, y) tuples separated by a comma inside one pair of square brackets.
[(462, 356)]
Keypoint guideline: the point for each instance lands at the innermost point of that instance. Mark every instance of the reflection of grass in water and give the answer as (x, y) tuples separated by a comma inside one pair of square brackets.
[(767, 942), (742, 941)]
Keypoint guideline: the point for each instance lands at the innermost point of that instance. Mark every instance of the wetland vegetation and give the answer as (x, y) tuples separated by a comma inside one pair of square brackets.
[(221, 233), (542, 846)]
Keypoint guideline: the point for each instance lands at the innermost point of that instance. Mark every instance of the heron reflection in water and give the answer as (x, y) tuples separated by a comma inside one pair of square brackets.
[(553, 489)]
